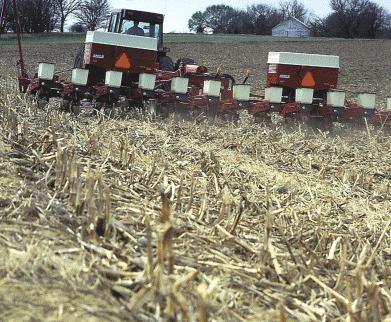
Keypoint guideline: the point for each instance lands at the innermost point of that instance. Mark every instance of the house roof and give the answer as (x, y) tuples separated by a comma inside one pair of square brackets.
[(294, 19)]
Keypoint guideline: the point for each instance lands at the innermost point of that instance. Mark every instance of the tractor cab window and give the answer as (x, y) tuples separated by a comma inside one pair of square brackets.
[(114, 20), (138, 28)]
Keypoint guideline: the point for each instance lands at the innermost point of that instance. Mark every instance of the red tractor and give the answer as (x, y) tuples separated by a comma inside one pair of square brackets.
[(129, 62), (132, 43), (128, 65)]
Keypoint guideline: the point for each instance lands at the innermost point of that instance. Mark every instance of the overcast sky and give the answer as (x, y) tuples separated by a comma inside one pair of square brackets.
[(178, 12)]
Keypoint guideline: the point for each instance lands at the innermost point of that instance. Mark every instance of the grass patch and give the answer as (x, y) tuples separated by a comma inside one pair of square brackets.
[(226, 39), (71, 38), (51, 38)]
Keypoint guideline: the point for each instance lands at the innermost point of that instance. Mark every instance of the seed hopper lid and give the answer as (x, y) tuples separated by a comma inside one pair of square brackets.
[(300, 59)]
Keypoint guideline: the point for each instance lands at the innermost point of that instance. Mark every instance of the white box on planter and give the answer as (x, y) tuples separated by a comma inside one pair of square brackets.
[(367, 100), (389, 103), (212, 88), (179, 85), (147, 81), (304, 95), (113, 79), (80, 76), (273, 94), (336, 98), (46, 71), (241, 92)]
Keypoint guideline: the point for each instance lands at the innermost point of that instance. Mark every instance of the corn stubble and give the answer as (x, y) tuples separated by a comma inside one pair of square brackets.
[(171, 220)]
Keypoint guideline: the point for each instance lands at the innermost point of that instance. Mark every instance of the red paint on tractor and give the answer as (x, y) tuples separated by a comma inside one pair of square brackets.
[(123, 62), (101, 56), (292, 77)]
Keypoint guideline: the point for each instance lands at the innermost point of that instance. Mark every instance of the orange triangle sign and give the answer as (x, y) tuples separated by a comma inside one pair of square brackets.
[(123, 62), (308, 80)]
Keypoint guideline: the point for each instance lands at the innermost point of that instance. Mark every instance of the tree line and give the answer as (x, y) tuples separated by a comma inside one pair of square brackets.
[(37, 16), (348, 19)]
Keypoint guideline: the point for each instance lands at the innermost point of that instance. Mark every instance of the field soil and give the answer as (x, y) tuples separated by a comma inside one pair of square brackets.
[(365, 64), (138, 219)]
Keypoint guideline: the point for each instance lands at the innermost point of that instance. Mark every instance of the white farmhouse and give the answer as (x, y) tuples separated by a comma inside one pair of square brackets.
[(291, 28)]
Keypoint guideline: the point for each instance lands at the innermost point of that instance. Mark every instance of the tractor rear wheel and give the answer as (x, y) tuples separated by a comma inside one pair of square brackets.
[(166, 63), (79, 59)]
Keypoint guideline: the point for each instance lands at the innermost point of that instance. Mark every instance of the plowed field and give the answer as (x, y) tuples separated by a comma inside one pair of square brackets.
[(129, 219)]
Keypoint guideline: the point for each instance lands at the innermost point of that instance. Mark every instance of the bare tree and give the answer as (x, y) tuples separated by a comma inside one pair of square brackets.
[(387, 27), (319, 26), (197, 22), (240, 23), (77, 27), (3, 16), (215, 18), (348, 19), (264, 17), (353, 19), (36, 16), (373, 20), (293, 8), (92, 13), (346, 16), (64, 8), (218, 18)]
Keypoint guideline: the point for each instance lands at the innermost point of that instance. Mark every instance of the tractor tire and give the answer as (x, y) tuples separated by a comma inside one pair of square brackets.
[(79, 58), (184, 61), (166, 64)]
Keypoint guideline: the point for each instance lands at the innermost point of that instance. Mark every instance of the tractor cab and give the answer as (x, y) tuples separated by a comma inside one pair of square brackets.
[(132, 44), (137, 23)]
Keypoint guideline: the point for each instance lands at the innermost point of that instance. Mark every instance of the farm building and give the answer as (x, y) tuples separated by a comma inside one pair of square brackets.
[(291, 27)]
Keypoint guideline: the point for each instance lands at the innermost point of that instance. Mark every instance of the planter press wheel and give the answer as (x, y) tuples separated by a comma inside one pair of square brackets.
[(104, 109), (42, 101), (322, 123), (262, 118), (293, 121), (151, 108), (69, 106)]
